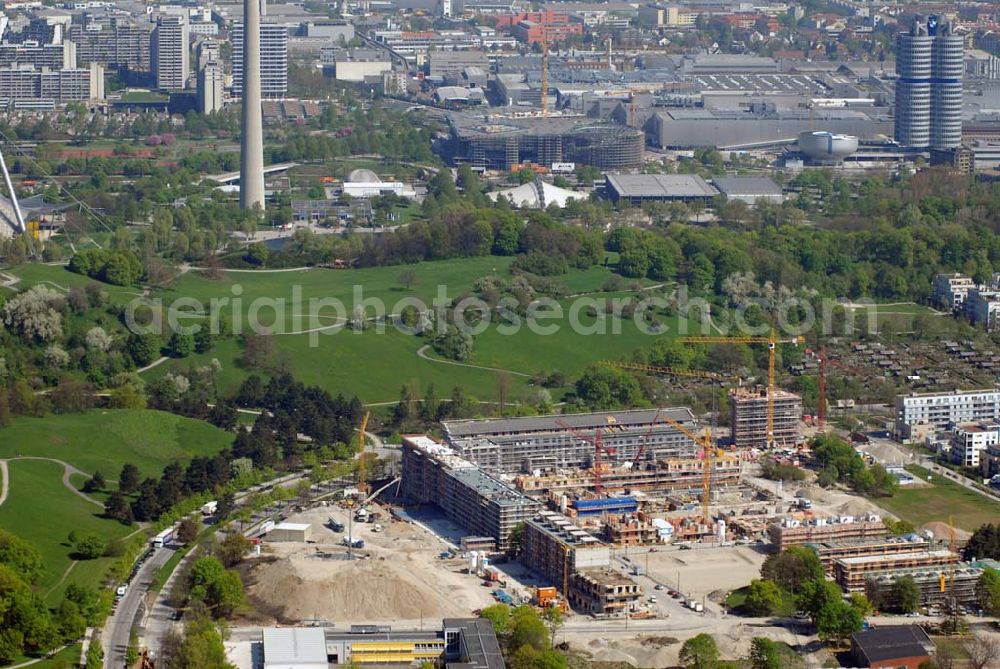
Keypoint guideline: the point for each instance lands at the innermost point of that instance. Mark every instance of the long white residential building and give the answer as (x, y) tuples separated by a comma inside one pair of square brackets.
[(946, 409)]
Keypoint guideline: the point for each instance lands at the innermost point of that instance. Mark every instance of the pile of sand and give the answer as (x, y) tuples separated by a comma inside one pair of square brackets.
[(855, 507), (942, 531), (357, 590)]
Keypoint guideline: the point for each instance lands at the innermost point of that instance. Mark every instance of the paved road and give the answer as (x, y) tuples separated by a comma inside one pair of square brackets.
[(119, 626)]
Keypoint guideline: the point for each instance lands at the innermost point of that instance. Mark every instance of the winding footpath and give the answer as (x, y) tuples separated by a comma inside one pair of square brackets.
[(68, 471), (422, 352)]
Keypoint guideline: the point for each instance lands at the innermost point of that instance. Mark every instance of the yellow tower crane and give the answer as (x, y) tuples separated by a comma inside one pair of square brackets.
[(668, 371), (362, 486), (710, 453), (772, 342)]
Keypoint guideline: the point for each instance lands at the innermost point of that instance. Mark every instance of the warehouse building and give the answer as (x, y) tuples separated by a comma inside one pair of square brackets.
[(637, 189), (294, 647), (792, 532), (527, 444), (748, 417), (482, 504), (460, 643), (300, 532), (852, 573), (692, 128), (749, 189)]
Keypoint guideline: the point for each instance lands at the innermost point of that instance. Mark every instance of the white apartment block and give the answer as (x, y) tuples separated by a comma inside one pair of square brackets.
[(943, 410), (971, 439), (170, 56), (273, 60), (951, 290), (983, 307)]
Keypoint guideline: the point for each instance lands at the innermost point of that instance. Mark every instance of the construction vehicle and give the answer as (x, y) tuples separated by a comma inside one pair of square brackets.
[(546, 596), (772, 342)]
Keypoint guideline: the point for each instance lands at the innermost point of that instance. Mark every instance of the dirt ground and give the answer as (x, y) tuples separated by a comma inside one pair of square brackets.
[(704, 571), (397, 578), (661, 649)]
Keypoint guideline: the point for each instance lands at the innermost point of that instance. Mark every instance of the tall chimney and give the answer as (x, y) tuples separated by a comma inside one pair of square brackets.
[(252, 133)]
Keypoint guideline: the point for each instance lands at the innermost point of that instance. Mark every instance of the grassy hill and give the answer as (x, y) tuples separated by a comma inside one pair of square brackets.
[(106, 439), (40, 509)]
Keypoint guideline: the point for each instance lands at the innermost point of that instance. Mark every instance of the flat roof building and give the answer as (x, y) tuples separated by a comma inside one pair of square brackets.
[(294, 648), (943, 409), (638, 188), (936, 586), (527, 444), (792, 532), (749, 189), (436, 474), (557, 548), (852, 573), (830, 551), (300, 532)]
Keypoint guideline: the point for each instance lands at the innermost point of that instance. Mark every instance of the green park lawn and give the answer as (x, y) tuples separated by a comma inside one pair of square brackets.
[(373, 365), (60, 278), (941, 501), (41, 510), (106, 439)]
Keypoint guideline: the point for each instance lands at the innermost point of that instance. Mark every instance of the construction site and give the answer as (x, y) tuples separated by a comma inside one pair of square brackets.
[(589, 512)]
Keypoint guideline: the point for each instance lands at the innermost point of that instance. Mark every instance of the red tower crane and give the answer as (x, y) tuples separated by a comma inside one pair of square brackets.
[(824, 360), (598, 445)]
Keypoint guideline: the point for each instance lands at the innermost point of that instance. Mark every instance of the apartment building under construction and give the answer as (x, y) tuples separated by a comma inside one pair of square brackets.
[(852, 573), (661, 476), (564, 442), (748, 417), (577, 563), (794, 532), (938, 586), (482, 504), (831, 551)]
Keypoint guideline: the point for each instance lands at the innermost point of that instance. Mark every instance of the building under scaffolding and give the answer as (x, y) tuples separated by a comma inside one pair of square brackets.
[(498, 142), (660, 476), (537, 444), (748, 417), (480, 503)]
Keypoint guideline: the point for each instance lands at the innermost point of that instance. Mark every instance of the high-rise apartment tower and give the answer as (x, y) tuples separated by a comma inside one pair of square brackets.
[(170, 52), (273, 60)]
